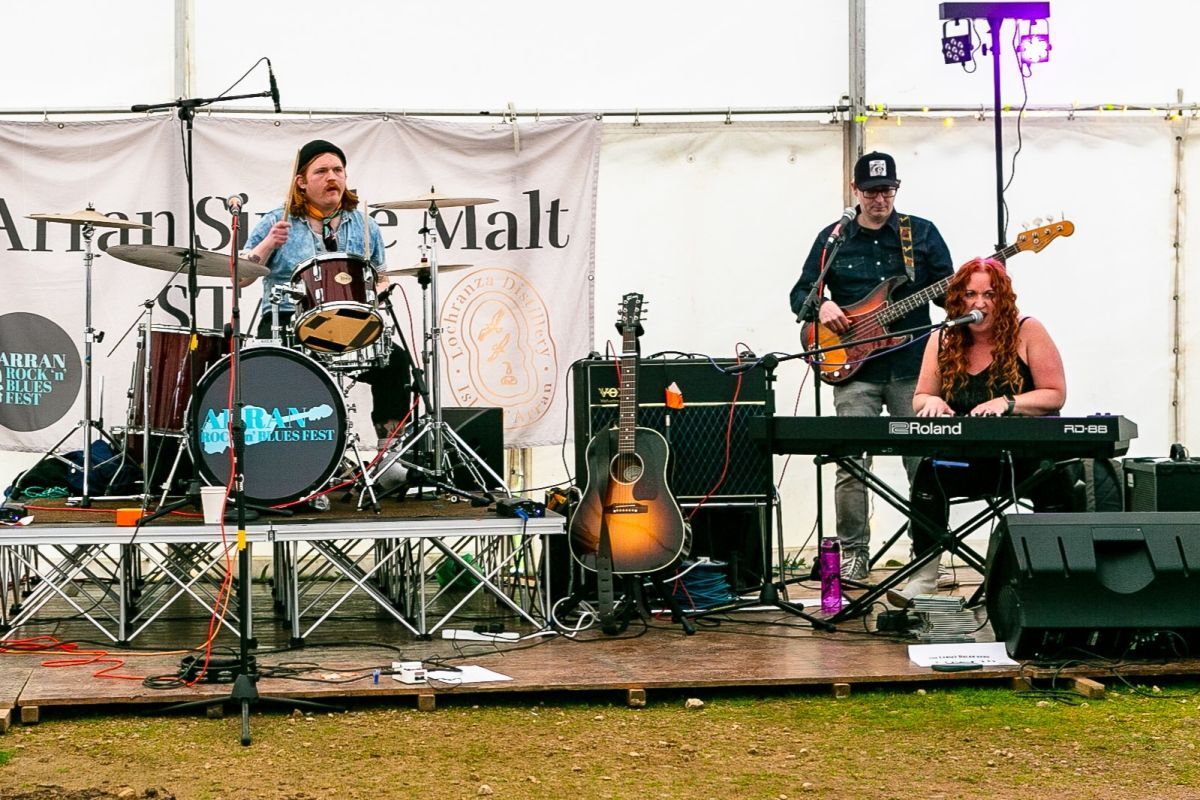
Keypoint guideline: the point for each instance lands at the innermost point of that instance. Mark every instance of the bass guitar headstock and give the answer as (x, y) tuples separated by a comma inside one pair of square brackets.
[(1037, 238)]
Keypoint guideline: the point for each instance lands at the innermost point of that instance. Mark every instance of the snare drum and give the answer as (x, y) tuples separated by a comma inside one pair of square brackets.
[(377, 354), (295, 425), (166, 351), (336, 312)]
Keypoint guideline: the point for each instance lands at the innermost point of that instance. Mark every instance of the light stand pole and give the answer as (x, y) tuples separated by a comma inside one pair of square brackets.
[(995, 14)]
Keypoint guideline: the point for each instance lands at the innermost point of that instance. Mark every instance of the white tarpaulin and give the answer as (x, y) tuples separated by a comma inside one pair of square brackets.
[(512, 323)]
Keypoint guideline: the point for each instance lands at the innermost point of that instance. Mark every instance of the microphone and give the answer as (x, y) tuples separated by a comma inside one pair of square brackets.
[(966, 319), (234, 203), (274, 87), (386, 293), (847, 217)]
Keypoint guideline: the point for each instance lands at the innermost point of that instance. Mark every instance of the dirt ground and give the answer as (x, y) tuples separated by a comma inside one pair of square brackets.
[(958, 743)]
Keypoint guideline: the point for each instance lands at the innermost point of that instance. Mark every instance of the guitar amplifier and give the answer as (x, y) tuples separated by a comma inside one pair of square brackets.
[(695, 433), (1159, 485)]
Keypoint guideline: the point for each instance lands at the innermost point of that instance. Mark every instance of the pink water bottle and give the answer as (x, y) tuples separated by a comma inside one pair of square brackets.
[(829, 561)]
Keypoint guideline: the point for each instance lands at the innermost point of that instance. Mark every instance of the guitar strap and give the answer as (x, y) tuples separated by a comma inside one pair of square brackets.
[(906, 247), (605, 597)]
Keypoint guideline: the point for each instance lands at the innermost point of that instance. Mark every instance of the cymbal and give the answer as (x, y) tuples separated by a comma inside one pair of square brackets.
[(164, 257), (442, 201), (89, 216), (416, 269)]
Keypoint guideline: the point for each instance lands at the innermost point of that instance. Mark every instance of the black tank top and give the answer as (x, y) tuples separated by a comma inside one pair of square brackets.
[(975, 391)]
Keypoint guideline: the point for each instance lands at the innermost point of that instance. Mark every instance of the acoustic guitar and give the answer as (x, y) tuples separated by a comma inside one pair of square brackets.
[(872, 315), (627, 514)]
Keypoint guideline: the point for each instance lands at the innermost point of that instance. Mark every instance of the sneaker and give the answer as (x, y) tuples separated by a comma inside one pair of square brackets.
[(856, 565), (947, 577)]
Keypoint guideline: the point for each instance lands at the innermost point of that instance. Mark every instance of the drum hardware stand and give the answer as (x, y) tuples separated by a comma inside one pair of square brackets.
[(441, 436), (87, 424)]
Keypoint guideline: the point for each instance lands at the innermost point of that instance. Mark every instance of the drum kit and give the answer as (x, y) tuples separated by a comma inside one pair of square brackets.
[(294, 384)]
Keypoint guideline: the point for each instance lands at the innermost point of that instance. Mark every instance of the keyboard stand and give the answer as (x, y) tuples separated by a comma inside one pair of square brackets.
[(951, 541)]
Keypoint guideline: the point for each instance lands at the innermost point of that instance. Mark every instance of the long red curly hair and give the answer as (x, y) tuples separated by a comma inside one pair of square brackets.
[(956, 341)]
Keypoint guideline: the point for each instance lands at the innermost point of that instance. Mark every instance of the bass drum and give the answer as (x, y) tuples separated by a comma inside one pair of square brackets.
[(295, 425)]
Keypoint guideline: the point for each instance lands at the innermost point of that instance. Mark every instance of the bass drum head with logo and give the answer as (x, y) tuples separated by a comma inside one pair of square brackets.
[(295, 425)]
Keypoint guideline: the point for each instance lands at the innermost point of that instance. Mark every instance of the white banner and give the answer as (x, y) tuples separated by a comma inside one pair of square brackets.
[(511, 323)]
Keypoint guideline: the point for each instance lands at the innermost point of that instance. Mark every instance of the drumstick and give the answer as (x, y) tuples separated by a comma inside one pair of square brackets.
[(287, 200), (366, 230)]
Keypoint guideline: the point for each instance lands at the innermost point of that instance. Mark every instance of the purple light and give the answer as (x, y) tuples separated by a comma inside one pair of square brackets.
[(1034, 48)]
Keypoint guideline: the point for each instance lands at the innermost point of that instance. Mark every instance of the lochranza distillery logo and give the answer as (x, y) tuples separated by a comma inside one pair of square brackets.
[(498, 347)]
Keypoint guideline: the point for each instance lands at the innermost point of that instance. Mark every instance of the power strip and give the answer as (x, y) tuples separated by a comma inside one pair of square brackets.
[(472, 636)]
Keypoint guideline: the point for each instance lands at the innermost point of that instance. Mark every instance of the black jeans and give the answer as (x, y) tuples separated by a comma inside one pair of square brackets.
[(937, 481)]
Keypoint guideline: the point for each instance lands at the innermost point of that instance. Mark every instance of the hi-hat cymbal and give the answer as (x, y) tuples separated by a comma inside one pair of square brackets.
[(164, 257), (89, 216), (430, 198), (417, 269)]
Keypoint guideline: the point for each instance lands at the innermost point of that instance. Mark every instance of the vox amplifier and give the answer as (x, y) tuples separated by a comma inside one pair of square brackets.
[(713, 403)]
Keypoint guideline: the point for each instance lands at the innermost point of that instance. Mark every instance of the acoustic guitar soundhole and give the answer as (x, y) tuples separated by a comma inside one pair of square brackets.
[(627, 468)]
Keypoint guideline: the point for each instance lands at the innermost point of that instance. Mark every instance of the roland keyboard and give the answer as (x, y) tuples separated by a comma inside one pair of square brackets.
[(1056, 438)]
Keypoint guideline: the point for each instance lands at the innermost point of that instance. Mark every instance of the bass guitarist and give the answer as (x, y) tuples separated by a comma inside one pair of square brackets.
[(879, 244)]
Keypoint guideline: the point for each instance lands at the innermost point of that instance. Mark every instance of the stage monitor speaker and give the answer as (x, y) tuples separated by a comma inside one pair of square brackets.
[(483, 431), (695, 433), (1119, 585), (1158, 485)]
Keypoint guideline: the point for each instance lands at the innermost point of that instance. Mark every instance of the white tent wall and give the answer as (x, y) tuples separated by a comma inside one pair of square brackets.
[(711, 221), (476, 54)]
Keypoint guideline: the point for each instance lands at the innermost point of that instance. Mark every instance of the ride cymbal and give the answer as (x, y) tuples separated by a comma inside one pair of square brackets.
[(89, 216), (170, 259), (435, 198)]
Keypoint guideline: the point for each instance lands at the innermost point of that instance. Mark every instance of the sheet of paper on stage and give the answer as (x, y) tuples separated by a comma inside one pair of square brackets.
[(466, 674), (986, 654)]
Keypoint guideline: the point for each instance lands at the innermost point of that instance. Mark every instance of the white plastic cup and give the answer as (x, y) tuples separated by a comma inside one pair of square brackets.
[(212, 498)]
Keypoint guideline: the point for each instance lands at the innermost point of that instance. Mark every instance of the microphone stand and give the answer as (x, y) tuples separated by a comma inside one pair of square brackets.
[(245, 688), (770, 363), (811, 310), (187, 113)]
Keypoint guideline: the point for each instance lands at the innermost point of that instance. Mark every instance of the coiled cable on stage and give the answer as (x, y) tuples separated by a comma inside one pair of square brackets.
[(703, 584)]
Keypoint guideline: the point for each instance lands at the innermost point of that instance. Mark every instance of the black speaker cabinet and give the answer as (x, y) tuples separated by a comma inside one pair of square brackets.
[(695, 433), (1157, 485), (1104, 584), (483, 431)]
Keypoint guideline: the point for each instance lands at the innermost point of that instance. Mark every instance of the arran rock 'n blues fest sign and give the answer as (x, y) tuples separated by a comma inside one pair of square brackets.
[(41, 372)]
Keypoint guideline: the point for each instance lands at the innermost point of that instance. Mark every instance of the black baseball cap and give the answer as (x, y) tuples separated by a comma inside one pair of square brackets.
[(316, 148), (875, 169)]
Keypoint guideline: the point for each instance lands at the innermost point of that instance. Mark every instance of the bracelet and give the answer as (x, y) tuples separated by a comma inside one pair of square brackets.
[(1012, 404)]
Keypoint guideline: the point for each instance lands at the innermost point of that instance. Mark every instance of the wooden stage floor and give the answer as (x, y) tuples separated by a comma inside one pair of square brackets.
[(750, 650)]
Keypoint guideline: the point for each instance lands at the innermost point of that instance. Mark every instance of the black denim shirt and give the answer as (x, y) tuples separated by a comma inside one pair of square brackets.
[(866, 259)]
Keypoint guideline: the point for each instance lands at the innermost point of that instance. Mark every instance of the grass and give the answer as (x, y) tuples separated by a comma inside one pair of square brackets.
[(957, 742)]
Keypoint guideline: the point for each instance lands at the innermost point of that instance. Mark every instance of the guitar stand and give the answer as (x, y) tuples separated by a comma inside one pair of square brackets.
[(634, 597)]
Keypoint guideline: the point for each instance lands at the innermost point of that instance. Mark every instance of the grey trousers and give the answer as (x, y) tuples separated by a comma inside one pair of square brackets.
[(850, 496)]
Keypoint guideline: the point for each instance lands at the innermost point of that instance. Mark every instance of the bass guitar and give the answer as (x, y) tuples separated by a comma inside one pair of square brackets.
[(872, 315), (627, 514)]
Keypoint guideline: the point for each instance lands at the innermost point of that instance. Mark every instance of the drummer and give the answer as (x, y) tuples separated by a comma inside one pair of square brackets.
[(320, 218)]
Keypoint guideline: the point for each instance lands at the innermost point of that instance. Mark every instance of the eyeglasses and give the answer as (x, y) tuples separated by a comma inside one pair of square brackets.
[(886, 191)]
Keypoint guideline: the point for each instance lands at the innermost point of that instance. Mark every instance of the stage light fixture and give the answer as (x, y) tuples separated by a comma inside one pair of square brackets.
[(1034, 47), (956, 49)]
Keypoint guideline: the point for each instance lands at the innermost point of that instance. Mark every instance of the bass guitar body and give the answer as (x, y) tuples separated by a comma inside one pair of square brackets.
[(627, 498), (840, 364)]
